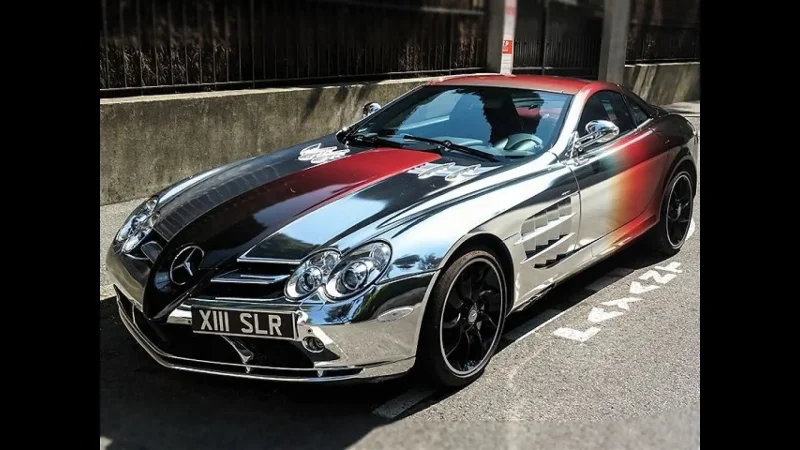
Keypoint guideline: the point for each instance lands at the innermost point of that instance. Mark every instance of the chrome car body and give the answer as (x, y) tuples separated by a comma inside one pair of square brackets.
[(230, 238)]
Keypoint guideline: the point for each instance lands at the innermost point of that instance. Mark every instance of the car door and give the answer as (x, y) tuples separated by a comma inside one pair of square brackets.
[(617, 179)]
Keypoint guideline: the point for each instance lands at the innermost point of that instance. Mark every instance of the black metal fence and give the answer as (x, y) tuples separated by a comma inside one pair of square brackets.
[(558, 38), (163, 46), (664, 31), (158, 46), (649, 43)]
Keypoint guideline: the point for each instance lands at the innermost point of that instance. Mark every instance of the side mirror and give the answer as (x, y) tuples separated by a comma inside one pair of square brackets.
[(597, 132), (370, 108)]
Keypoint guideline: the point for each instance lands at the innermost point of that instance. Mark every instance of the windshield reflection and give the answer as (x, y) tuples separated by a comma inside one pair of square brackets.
[(504, 122)]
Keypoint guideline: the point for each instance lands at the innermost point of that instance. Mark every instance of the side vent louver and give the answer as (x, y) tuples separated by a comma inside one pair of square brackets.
[(547, 236)]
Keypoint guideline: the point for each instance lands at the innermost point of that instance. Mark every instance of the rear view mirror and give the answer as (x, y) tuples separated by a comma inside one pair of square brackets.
[(597, 132), (370, 108)]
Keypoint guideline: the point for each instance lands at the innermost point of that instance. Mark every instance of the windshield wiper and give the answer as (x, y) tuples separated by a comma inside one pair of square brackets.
[(379, 140), (451, 146)]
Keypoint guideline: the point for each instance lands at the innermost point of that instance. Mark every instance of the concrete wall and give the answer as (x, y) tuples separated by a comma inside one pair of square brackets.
[(663, 84), (147, 143)]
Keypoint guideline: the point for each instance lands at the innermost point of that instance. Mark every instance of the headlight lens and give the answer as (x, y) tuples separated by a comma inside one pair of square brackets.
[(138, 225), (311, 274), (358, 270)]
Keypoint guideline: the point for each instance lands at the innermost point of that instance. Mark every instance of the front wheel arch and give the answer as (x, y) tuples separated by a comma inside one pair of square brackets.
[(495, 245)]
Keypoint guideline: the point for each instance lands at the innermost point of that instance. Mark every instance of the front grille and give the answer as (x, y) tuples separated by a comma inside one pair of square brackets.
[(250, 281)]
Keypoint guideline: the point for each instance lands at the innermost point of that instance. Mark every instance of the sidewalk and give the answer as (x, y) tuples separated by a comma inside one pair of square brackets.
[(688, 109), (112, 216)]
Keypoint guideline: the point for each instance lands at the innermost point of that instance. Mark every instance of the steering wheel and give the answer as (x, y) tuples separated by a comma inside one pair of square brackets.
[(520, 143)]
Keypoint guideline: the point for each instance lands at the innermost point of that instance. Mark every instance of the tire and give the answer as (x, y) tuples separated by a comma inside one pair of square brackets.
[(443, 321), (663, 238)]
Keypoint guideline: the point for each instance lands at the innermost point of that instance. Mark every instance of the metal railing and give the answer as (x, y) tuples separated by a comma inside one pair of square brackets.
[(649, 43), (557, 38), (164, 46)]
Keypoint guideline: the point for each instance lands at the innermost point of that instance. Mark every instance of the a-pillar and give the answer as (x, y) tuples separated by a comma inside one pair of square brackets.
[(614, 41), (500, 39)]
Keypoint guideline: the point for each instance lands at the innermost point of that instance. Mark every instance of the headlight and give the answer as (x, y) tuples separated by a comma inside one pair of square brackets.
[(311, 274), (359, 269), (138, 225), (341, 277)]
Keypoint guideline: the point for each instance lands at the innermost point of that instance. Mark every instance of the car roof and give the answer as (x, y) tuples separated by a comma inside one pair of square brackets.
[(549, 83)]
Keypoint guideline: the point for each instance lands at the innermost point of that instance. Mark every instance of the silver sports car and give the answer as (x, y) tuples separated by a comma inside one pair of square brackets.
[(404, 241)]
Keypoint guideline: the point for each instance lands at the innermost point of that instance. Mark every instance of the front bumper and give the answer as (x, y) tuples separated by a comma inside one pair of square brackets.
[(376, 339)]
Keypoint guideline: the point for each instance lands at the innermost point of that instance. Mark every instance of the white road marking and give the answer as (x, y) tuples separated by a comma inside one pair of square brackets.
[(402, 402), (621, 303), (638, 288), (691, 229), (657, 277), (671, 267), (576, 335), (534, 324), (598, 315), (104, 442)]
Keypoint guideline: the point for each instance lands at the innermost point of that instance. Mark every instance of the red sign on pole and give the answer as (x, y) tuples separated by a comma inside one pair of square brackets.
[(508, 47)]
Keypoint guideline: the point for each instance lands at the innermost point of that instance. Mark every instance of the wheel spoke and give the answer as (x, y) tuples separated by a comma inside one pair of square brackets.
[(454, 347), (480, 278), (468, 353), (454, 301), (485, 319), (451, 323), (487, 296), (479, 338), (465, 289)]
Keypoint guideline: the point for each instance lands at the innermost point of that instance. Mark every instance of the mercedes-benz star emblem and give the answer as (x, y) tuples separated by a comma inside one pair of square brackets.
[(185, 264)]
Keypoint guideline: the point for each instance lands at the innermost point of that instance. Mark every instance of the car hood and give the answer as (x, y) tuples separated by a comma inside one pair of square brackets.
[(286, 204)]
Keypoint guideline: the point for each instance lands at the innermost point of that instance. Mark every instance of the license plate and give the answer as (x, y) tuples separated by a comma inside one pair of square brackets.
[(269, 325)]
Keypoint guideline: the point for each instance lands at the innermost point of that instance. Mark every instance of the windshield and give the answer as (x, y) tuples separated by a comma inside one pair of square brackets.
[(495, 120)]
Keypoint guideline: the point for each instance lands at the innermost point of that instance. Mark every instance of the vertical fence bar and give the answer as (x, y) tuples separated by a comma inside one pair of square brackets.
[(124, 44), (169, 41), (106, 43), (643, 37), (200, 53), (252, 42), (213, 25), (185, 41), (239, 35), (544, 37), (286, 48), (295, 16), (227, 41), (452, 40), (139, 42), (263, 34), (155, 41), (274, 39)]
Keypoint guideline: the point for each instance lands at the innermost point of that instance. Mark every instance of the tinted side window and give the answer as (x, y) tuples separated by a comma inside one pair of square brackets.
[(606, 105), (639, 115)]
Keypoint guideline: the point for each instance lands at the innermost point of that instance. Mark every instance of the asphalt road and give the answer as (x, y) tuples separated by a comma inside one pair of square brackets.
[(583, 368)]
